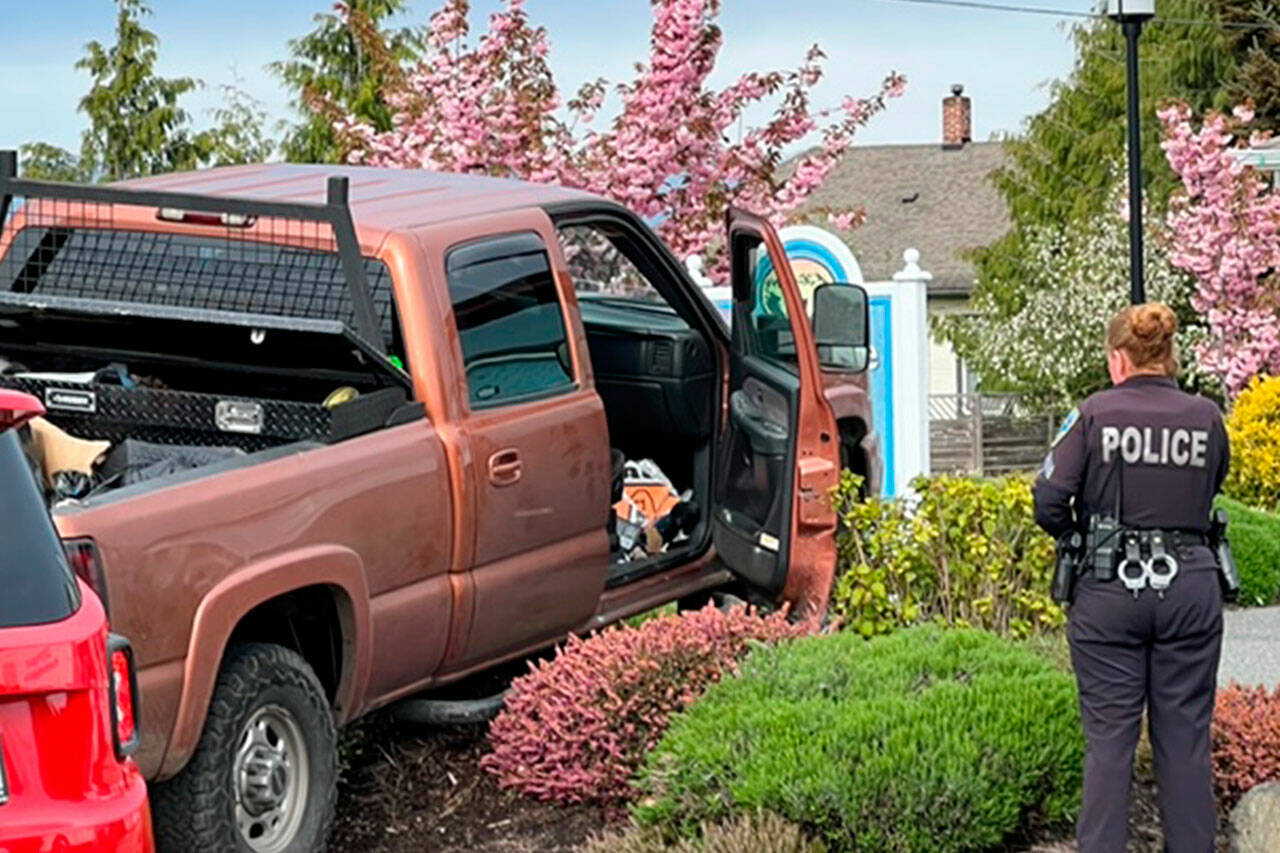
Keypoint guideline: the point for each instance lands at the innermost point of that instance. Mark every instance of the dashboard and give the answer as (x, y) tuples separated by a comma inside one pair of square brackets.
[(654, 372)]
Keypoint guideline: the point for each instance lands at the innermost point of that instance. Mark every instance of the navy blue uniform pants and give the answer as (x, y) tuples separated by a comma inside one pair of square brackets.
[(1155, 654)]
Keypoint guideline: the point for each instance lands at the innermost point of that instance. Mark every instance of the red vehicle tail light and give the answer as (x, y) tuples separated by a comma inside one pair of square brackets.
[(123, 696), (4, 779), (83, 557)]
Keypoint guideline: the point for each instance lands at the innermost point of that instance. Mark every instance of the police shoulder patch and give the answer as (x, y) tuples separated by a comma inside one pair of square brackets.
[(1067, 424)]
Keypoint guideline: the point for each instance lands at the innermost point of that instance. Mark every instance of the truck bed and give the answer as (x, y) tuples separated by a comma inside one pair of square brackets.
[(370, 516)]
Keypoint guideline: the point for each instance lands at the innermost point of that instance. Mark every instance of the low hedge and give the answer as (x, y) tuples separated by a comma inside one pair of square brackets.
[(925, 740), (1255, 542)]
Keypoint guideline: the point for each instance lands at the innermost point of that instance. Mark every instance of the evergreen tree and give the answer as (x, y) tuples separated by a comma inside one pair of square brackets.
[(136, 126), (331, 67), (1253, 32), (1062, 167)]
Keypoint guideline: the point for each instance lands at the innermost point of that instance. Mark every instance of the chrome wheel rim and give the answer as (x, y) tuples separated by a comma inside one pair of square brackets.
[(270, 779)]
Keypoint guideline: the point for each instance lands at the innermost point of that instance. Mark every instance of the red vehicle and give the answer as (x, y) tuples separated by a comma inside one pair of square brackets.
[(68, 722)]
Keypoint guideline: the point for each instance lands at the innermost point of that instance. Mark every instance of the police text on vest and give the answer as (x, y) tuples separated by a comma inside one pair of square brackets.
[(1156, 446)]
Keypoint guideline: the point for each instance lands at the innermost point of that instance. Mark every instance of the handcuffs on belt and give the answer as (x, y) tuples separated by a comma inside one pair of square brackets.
[(1157, 570), (1097, 552)]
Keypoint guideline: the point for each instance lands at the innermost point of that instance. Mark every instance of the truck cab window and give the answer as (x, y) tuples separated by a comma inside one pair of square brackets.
[(510, 322), (599, 269), (767, 331)]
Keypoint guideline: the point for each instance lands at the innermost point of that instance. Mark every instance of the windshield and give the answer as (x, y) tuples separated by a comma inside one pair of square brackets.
[(37, 585)]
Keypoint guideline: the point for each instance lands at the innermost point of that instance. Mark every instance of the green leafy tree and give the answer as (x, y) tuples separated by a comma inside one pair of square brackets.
[(1058, 186), (239, 135), (332, 73), (1254, 36), (46, 162), (1050, 349), (136, 126), (1062, 167)]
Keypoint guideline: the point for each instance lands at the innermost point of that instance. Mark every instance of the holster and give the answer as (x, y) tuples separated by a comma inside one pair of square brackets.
[(1069, 552), (1228, 574)]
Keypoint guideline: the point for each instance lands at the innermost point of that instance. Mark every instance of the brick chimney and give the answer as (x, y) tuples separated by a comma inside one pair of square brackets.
[(957, 119)]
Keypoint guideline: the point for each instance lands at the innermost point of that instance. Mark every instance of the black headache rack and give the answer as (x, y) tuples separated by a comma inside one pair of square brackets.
[(307, 266), (295, 294)]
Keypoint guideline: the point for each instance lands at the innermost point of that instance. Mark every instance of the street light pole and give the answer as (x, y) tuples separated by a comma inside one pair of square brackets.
[(1137, 281), (1131, 15)]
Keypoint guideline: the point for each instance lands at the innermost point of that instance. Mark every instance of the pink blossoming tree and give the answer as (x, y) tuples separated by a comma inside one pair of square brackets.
[(1226, 231), (493, 107)]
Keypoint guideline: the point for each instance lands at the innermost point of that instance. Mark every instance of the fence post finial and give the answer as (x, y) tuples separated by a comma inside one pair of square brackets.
[(911, 268)]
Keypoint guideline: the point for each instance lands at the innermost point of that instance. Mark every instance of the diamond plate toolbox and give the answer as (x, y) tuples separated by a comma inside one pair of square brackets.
[(112, 412)]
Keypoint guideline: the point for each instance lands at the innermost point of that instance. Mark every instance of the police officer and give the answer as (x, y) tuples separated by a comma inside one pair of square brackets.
[(1143, 460)]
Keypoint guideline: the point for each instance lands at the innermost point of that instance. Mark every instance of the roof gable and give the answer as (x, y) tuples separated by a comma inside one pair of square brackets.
[(938, 200)]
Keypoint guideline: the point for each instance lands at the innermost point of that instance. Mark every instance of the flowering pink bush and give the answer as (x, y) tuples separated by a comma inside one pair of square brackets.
[(494, 107), (1246, 741), (576, 728), (1226, 231)]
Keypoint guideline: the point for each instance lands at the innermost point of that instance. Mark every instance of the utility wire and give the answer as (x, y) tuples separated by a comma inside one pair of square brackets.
[(1071, 13), (1001, 7)]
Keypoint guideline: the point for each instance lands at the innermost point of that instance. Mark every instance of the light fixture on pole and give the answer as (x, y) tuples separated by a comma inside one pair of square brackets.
[(1131, 15)]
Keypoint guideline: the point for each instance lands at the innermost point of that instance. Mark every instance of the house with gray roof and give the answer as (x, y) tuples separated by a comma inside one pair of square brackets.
[(937, 198)]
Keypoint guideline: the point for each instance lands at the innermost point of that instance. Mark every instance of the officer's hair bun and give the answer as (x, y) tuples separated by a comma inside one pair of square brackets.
[(1145, 332), (1153, 322)]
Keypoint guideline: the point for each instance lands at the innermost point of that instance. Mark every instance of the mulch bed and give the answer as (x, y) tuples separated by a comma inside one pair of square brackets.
[(1145, 835), (408, 788)]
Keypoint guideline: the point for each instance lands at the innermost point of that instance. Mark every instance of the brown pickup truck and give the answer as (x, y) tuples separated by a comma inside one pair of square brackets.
[(356, 435)]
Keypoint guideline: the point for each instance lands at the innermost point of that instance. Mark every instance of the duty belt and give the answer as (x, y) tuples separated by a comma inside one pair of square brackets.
[(1145, 558)]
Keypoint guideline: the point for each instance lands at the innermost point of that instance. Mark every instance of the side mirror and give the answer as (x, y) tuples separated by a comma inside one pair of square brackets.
[(841, 327), (16, 408)]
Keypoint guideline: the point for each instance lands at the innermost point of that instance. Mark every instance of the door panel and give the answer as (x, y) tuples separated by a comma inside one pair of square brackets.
[(537, 452), (779, 456)]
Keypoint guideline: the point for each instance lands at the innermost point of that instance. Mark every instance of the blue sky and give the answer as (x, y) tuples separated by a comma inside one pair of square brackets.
[(1004, 60)]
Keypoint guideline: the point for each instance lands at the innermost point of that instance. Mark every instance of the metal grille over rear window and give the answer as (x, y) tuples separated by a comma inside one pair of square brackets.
[(211, 273), (280, 264)]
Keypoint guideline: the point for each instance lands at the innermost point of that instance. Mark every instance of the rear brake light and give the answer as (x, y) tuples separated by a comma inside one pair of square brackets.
[(231, 220), (83, 557), (122, 696), (4, 779)]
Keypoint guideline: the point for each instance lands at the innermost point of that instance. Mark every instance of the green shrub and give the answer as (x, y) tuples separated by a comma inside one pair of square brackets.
[(967, 552), (924, 740), (759, 832), (1255, 542)]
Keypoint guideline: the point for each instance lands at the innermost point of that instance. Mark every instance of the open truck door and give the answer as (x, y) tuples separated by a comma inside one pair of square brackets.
[(779, 456)]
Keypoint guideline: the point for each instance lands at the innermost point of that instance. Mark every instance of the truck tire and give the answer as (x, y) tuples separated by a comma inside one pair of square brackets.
[(263, 778)]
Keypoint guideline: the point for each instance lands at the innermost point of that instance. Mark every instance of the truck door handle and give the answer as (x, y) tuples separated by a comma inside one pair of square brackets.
[(505, 467)]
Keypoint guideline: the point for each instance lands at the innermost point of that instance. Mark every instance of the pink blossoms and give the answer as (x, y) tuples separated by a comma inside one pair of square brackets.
[(1226, 232), (493, 107)]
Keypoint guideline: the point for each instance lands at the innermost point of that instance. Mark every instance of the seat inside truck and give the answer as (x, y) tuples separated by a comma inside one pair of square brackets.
[(656, 374)]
